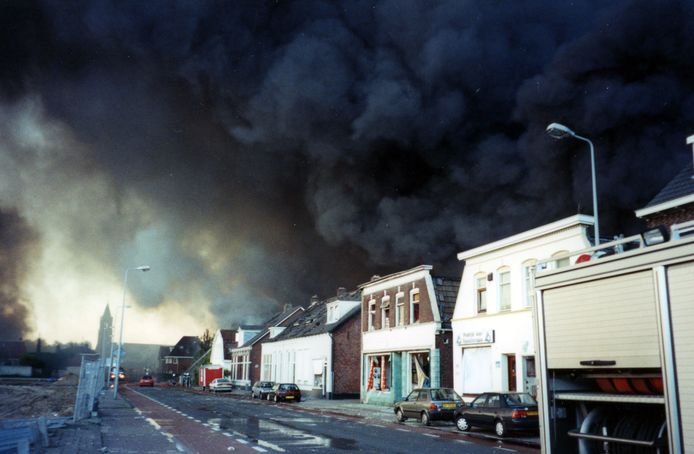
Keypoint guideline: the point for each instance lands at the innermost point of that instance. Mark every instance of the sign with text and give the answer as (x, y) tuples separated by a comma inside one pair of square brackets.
[(475, 337)]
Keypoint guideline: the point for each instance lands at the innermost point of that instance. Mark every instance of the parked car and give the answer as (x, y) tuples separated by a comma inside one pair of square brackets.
[(502, 412), (261, 389), (284, 391), (429, 404), (220, 385), (147, 380)]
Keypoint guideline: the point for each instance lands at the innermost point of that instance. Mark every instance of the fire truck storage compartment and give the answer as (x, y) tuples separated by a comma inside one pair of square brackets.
[(612, 320), (618, 353)]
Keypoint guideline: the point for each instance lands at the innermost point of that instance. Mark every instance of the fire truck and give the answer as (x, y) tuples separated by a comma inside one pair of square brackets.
[(615, 346)]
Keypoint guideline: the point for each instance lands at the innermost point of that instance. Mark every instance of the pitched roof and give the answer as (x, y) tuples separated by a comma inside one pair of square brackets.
[(446, 290), (279, 319), (314, 320), (186, 346), (680, 187)]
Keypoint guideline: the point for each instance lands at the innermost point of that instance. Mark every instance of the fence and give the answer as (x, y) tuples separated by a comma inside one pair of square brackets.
[(92, 377)]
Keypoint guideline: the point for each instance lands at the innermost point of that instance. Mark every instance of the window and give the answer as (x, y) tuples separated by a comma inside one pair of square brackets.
[(504, 289), (399, 309), (481, 286), (561, 259), (372, 314), (385, 312), (414, 306), (379, 373), (528, 285)]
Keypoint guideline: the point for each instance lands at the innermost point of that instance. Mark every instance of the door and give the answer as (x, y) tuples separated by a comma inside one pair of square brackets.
[(511, 371), (409, 404), (475, 410), (489, 412)]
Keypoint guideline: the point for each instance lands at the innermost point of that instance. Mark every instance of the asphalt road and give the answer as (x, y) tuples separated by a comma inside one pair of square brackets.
[(209, 423)]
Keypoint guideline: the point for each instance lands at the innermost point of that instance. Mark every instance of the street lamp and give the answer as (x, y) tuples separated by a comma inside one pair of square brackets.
[(143, 268), (559, 131)]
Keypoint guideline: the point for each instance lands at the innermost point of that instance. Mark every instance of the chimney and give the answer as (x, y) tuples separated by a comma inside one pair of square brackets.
[(375, 277), (314, 299), (341, 291), (287, 307)]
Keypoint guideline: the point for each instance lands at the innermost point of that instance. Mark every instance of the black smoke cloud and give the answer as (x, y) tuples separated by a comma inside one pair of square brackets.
[(17, 251), (286, 148)]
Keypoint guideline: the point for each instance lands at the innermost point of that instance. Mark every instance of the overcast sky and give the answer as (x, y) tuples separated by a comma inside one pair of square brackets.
[(256, 153)]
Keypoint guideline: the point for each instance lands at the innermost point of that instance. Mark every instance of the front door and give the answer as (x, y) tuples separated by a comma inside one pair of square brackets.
[(511, 368)]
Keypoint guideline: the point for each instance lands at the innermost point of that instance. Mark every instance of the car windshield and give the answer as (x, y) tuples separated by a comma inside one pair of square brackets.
[(222, 380), (444, 394), (520, 399), (146, 377), (266, 384), (289, 387)]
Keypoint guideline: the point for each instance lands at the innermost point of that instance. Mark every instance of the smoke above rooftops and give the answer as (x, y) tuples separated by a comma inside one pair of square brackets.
[(255, 153)]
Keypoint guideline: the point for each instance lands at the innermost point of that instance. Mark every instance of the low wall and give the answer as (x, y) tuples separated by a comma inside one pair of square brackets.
[(16, 371)]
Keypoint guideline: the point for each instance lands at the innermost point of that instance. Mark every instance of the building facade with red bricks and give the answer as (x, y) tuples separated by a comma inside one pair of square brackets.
[(406, 334)]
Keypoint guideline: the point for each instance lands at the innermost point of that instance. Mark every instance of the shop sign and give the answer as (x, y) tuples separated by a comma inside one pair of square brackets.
[(475, 337)]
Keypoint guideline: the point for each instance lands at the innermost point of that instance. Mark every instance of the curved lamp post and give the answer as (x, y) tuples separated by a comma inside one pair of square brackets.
[(143, 268), (559, 131)]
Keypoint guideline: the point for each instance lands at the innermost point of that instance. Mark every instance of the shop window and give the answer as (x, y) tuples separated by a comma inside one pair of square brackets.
[(371, 314), (414, 306), (385, 312), (504, 289), (481, 291), (399, 309), (420, 370), (379, 373)]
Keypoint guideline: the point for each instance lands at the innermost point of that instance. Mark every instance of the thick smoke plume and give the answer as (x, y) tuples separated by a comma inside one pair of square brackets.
[(255, 153)]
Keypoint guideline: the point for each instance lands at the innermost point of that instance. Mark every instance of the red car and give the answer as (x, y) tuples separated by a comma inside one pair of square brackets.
[(147, 380), (285, 391)]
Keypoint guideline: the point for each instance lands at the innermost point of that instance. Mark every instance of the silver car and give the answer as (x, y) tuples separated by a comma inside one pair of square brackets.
[(221, 385), (261, 389)]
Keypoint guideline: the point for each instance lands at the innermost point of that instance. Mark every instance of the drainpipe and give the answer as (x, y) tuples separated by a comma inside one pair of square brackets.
[(329, 369)]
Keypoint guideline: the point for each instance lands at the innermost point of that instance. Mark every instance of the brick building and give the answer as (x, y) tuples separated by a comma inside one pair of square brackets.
[(406, 333), (674, 204)]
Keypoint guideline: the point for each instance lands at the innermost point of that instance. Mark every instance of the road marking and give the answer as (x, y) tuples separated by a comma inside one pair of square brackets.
[(267, 444), (197, 420), (227, 434), (431, 435), (403, 430), (258, 448), (153, 422), (506, 449), (231, 448), (463, 442), (242, 441)]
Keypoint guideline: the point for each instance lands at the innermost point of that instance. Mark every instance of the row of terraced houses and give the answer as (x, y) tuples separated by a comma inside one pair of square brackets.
[(415, 328)]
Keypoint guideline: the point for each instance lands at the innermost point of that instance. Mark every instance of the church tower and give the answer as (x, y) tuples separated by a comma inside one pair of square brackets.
[(103, 345)]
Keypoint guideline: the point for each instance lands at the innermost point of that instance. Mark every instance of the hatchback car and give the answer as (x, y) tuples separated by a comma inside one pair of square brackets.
[(285, 391), (147, 380), (261, 389), (502, 412), (220, 385), (429, 404)]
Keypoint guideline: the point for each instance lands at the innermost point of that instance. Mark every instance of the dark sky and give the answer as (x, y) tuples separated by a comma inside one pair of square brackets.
[(255, 153)]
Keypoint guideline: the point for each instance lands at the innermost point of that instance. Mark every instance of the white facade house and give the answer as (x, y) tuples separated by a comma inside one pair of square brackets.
[(494, 346), (220, 352), (302, 353)]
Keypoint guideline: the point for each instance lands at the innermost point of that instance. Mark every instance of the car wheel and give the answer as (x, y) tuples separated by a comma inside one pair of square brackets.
[(425, 419), (462, 424), (500, 428), (298, 399), (277, 398), (399, 415)]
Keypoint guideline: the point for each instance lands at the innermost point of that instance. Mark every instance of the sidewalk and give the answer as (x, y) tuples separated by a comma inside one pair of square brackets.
[(119, 428)]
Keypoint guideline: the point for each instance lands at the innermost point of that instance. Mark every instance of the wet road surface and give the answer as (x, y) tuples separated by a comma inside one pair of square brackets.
[(209, 423)]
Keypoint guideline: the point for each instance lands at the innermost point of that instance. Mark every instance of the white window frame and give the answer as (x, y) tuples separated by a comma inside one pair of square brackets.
[(528, 290), (385, 319), (371, 312), (479, 291), (504, 289), (413, 292), (400, 309)]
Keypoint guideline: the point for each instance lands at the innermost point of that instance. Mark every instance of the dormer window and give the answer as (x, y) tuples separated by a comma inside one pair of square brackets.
[(385, 312), (333, 313), (414, 306)]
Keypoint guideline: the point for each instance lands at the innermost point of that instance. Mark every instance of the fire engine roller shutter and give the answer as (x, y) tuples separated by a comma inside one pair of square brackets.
[(578, 316), (681, 288)]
